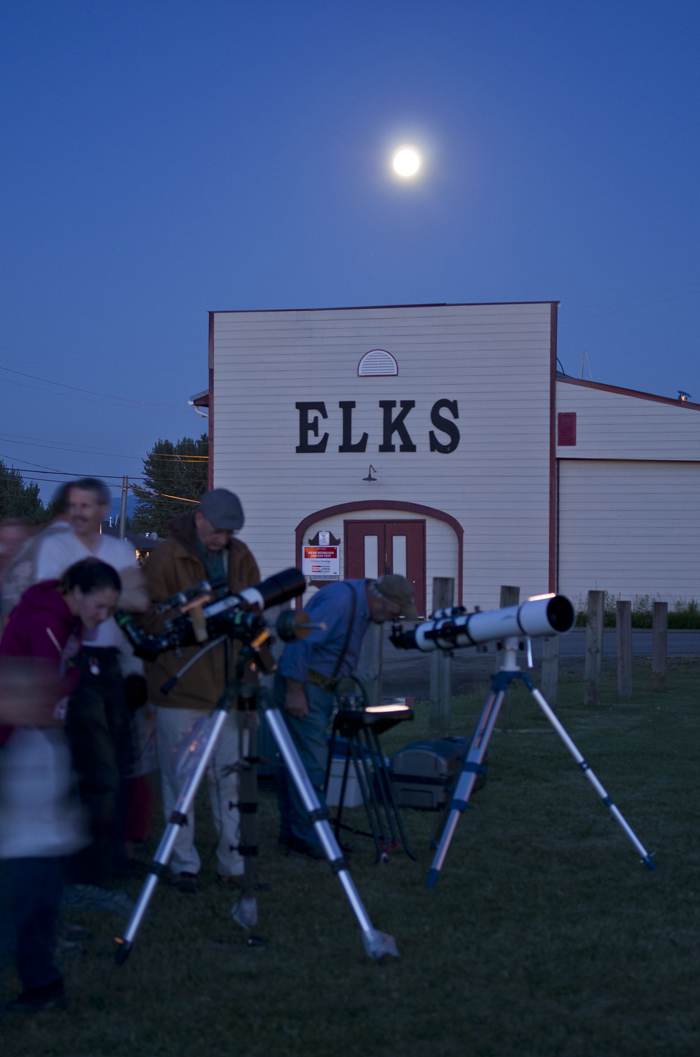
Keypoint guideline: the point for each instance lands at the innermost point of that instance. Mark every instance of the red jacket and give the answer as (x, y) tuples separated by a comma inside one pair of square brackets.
[(40, 625)]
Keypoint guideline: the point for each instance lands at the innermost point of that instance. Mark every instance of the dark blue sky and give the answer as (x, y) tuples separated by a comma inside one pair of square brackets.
[(162, 158)]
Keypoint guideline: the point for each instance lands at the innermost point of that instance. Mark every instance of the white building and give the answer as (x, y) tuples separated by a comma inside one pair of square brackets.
[(439, 440)]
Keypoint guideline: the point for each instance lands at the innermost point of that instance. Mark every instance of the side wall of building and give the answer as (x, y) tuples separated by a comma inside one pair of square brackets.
[(629, 495), (629, 528)]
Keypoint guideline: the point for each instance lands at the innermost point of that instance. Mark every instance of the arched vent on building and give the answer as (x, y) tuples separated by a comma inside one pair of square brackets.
[(377, 364)]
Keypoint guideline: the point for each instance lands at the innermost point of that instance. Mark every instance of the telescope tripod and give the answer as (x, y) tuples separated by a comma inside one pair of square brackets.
[(474, 761), (376, 943)]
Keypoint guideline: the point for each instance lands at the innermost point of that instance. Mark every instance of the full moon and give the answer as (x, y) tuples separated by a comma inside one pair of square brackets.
[(406, 161)]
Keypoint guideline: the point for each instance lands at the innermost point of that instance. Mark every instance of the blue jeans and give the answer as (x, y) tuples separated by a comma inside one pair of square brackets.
[(309, 736)]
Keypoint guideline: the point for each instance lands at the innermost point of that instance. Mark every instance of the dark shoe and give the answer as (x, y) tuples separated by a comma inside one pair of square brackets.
[(302, 847), (50, 997), (186, 882)]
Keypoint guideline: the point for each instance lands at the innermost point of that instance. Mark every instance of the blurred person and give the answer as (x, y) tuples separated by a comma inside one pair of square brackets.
[(309, 671), (141, 783), (202, 547), (40, 815), (20, 571), (13, 533), (98, 724)]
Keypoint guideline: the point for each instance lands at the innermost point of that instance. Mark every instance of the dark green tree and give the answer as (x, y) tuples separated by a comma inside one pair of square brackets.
[(179, 469), (20, 500)]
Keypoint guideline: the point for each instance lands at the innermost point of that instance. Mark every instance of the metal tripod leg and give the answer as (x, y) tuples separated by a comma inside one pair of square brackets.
[(581, 761), (376, 943), (387, 793), (356, 753), (245, 912), (465, 784), (382, 797), (177, 819)]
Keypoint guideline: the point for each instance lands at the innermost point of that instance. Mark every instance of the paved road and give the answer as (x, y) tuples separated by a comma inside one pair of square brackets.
[(407, 673)]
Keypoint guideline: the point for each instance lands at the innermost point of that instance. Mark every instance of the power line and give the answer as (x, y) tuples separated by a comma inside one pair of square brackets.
[(182, 458), (102, 452), (124, 401)]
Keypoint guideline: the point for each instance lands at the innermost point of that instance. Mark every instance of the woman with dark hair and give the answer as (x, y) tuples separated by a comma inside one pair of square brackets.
[(40, 817)]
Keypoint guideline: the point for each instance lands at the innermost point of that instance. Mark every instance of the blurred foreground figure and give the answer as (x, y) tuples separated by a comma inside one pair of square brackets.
[(13, 534), (20, 569), (98, 725), (40, 814)]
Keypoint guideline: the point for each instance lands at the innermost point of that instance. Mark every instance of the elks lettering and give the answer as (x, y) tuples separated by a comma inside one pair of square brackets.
[(311, 412)]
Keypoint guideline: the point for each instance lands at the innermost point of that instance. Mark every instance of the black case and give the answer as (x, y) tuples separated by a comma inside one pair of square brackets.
[(424, 773)]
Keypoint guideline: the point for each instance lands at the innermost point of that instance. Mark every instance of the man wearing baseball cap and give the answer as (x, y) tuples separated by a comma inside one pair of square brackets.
[(308, 673), (202, 546)]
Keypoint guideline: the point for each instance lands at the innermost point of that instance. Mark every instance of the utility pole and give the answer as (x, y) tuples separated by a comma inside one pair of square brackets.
[(122, 513)]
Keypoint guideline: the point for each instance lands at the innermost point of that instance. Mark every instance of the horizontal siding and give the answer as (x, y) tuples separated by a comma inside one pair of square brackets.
[(630, 528), (614, 426), (494, 360)]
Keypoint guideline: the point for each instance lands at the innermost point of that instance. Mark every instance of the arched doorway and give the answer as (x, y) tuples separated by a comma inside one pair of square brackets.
[(405, 539)]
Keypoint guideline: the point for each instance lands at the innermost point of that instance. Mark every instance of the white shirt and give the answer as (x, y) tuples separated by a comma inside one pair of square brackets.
[(59, 552), (40, 815)]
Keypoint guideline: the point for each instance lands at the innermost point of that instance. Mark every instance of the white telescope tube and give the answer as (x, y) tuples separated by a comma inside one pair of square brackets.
[(551, 615)]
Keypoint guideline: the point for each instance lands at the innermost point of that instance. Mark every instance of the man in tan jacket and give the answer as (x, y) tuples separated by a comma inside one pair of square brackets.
[(201, 547)]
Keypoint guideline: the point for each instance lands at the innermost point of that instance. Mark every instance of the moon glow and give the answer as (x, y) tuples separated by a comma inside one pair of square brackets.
[(406, 161)]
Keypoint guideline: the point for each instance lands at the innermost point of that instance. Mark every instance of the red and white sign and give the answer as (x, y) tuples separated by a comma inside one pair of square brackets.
[(321, 563)]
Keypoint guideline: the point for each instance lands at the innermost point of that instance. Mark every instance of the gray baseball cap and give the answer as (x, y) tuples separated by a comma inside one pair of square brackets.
[(222, 509), (399, 590)]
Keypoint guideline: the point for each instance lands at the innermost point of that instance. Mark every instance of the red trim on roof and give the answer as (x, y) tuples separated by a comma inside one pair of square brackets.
[(552, 450), (360, 308), (210, 402), (628, 392)]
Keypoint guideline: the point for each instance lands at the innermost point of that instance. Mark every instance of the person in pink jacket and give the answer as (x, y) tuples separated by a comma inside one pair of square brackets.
[(40, 817)]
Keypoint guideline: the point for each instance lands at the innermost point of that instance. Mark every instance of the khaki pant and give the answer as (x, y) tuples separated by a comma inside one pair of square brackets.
[(173, 725)]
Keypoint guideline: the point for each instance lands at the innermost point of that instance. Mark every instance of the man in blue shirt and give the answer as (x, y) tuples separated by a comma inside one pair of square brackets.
[(308, 672)]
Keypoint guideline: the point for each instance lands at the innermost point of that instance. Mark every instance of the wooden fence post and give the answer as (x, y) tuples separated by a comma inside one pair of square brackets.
[(659, 641), (595, 616), (441, 664), (550, 669), (624, 649), (369, 665), (510, 596)]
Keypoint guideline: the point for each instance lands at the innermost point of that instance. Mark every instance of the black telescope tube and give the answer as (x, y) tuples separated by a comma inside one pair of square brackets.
[(281, 587)]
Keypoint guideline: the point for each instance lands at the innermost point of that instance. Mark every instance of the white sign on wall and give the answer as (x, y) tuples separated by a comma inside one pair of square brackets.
[(321, 563)]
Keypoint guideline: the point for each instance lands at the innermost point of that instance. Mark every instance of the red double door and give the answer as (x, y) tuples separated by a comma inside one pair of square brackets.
[(373, 548)]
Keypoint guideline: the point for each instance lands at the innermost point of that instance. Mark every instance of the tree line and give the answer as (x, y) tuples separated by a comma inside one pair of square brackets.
[(172, 474)]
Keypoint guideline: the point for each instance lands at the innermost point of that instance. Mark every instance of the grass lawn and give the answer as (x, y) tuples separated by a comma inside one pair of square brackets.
[(544, 935)]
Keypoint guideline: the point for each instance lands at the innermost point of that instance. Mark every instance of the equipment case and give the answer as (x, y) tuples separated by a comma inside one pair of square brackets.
[(424, 773)]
